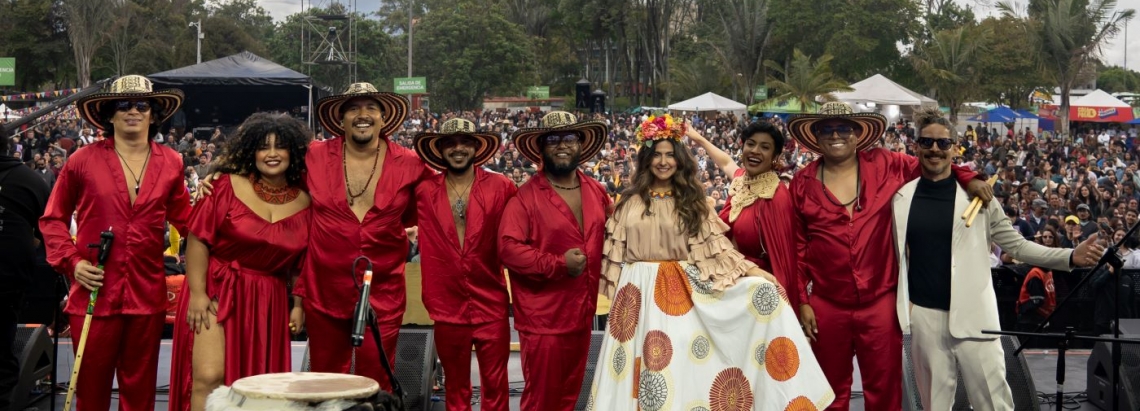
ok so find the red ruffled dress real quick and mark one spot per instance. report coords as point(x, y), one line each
point(764, 229)
point(250, 261)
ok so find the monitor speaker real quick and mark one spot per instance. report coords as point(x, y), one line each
point(591, 366)
point(1099, 386)
point(1016, 374)
point(34, 353)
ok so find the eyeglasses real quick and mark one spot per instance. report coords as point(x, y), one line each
point(556, 139)
point(125, 105)
point(928, 142)
point(842, 130)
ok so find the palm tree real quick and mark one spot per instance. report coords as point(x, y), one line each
point(804, 80)
point(1069, 35)
point(948, 64)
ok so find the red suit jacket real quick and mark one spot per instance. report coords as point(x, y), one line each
point(850, 260)
point(336, 237)
point(463, 285)
point(92, 186)
point(537, 230)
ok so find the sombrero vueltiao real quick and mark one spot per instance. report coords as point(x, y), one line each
point(131, 87)
point(394, 107)
point(593, 136)
point(427, 144)
point(871, 125)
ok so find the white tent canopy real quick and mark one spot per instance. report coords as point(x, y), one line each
point(5, 115)
point(708, 102)
point(881, 90)
point(1098, 98)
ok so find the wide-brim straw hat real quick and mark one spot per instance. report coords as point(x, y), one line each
point(594, 134)
point(130, 87)
point(394, 107)
point(427, 144)
point(871, 125)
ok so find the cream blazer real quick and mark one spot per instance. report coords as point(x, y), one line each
point(973, 303)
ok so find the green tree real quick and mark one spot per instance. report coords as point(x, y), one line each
point(32, 34)
point(85, 19)
point(1068, 35)
point(1010, 69)
point(1118, 80)
point(804, 80)
point(948, 64)
point(468, 53)
point(381, 57)
point(742, 31)
point(861, 35)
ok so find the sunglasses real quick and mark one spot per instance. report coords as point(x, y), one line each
point(125, 105)
point(843, 130)
point(929, 142)
point(556, 139)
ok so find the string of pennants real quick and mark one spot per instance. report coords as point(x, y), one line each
point(36, 96)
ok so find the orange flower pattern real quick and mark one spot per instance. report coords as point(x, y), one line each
point(624, 313)
point(658, 350)
point(731, 391)
point(672, 293)
point(782, 359)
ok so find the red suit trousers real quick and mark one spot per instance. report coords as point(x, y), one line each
point(118, 346)
point(492, 343)
point(553, 367)
point(869, 332)
point(331, 350)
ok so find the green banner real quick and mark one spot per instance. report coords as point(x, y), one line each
point(1136, 112)
point(410, 85)
point(7, 71)
point(538, 92)
point(760, 94)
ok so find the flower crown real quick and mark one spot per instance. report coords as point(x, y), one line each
point(659, 128)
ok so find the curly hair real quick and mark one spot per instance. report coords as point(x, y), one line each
point(932, 115)
point(240, 155)
point(688, 193)
point(107, 112)
point(765, 127)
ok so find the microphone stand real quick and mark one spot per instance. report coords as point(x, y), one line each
point(1111, 258)
point(363, 314)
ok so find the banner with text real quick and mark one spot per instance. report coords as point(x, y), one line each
point(7, 71)
point(538, 92)
point(760, 94)
point(410, 85)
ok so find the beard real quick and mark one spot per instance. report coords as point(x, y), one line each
point(461, 169)
point(559, 170)
point(361, 139)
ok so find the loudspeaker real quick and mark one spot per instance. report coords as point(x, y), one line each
point(415, 361)
point(582, 94)
point(591, 365)
point(33, 350)
point(1016, 374)
point(1099, 386)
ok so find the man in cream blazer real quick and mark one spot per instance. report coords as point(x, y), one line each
point(945, 296)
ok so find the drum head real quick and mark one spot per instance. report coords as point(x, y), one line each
point(306, 386)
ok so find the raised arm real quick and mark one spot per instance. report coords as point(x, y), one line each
point(718, 156)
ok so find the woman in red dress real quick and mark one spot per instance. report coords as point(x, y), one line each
point(759, 208)
point(245, 241)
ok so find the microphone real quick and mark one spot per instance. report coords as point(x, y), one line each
point(362, 305)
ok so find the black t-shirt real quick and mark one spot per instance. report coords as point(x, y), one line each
point(23, 198)
point(929, 234)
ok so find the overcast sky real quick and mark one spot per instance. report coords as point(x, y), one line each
point(1113, 52)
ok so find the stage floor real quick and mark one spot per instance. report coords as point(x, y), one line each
point(1042, 365)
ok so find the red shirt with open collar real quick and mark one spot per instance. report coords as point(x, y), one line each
point(336, 237)
point(463, 284)
point(92, 185)
point(850, 258)
point(537, 230)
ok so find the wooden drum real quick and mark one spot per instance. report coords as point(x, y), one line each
point(293, 391)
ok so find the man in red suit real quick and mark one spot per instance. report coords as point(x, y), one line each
point(362, 190)
point(551, 241)
point(132, 185)
point(464, 289)
point(844, 236)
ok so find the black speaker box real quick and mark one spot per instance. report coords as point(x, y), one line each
point(591, 366)
point(33, 350)
point(1099, 386)
point(415, 362)
point(1016, 374)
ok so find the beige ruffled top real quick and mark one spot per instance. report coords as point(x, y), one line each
point(632, 237)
